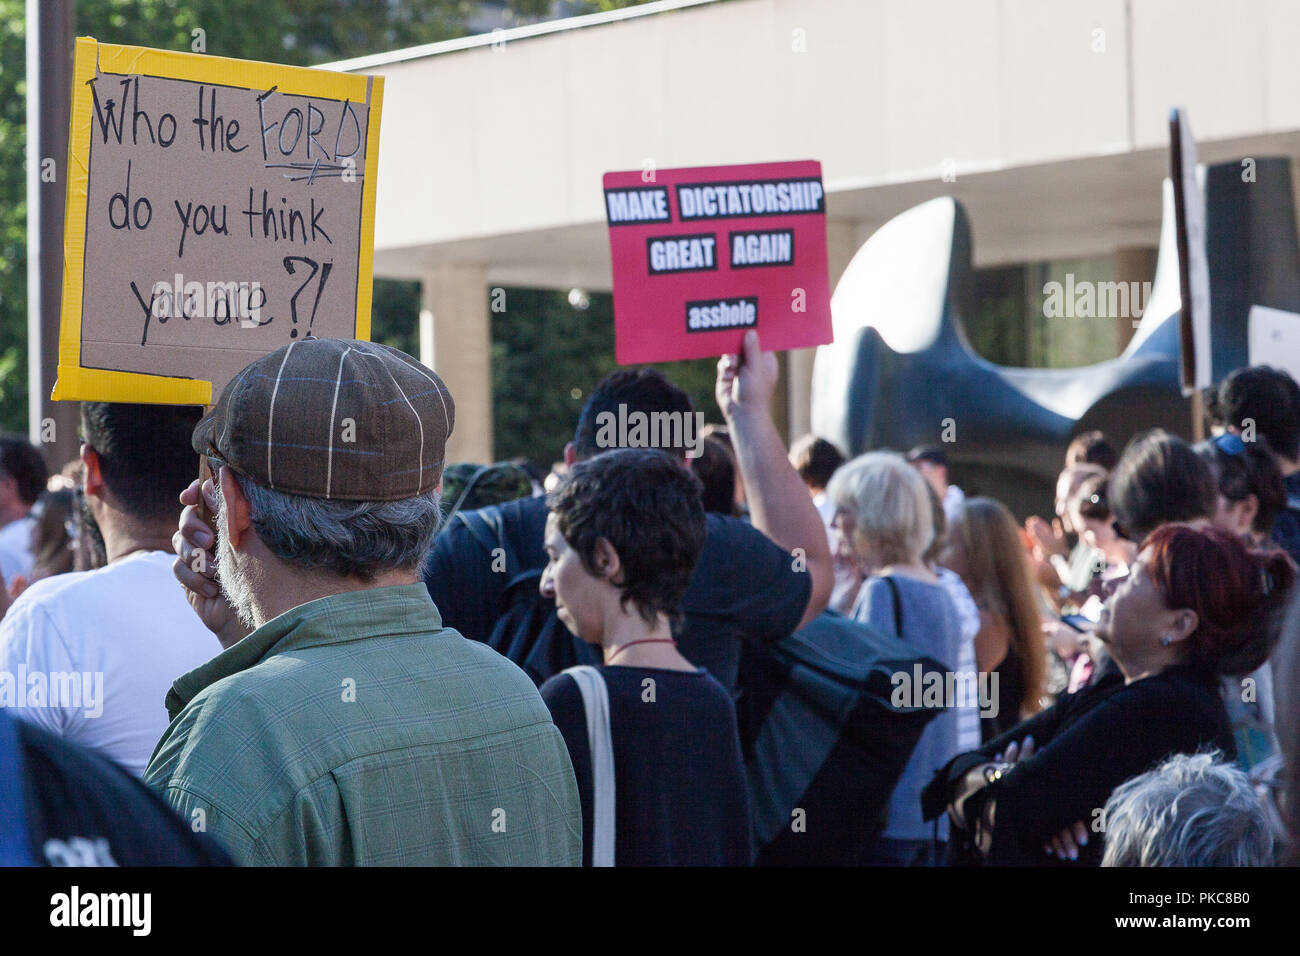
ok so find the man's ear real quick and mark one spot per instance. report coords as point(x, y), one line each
point(607, 562)
point(8, 488)
point(238, 513)
point(92, 478)
point(570, 455)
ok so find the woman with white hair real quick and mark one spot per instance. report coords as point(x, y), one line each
point(883, 516)
point(1192, 810)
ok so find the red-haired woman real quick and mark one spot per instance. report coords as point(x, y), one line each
point(1196, 605)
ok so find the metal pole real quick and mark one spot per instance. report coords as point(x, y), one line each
point(50, 34)
point(32, 26)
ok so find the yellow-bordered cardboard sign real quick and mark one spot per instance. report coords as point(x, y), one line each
point(217, 209)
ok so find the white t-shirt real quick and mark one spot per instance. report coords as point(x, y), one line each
point(954, 502)
point(16, 549)
point(102, 648)
point(968, 716)
point(825, 509)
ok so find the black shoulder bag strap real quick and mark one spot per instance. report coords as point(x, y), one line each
point(479, 523)
point(469, 486)
point(898, 625)
point(898, 604)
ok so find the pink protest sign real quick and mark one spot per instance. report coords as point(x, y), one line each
point(703, 254)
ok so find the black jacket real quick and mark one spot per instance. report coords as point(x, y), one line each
point(65, 805)
point(1086, 745)
point(744, 588)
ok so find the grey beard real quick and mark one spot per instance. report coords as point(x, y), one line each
point(232, 580)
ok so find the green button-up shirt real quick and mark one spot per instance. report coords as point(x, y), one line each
point(356, 729)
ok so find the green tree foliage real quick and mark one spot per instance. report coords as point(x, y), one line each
point(304, 32)
point(395, 315)
point(547, 356)
point(13, 220)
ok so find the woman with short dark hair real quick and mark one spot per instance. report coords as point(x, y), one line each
point(1251, 493)
point(652, 737)
point(1196, 605)
point(1160, 480)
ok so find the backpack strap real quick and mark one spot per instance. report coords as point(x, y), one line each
point(898, 604)
point(595, 701)
point(488, 529)
point(479, 472)
point(476, 526)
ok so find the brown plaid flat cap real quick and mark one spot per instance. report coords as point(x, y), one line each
point(333, 418)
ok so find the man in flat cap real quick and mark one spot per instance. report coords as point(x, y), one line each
point(343, 724)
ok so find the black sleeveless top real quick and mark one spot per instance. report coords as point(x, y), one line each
point(1010, 697)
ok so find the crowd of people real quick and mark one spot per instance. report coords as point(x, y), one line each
point(375, 659)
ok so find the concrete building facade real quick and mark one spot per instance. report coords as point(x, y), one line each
point(1048, 120)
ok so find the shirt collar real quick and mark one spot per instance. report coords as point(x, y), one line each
point(337, 619)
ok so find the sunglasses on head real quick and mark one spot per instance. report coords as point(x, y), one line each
point(1231, 444)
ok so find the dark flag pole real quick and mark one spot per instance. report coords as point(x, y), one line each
point(51, 27)
point(1193, 272)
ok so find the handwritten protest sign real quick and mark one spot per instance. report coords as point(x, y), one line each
point(217, 210)
point(700, 255)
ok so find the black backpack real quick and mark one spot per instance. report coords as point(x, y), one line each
point(823, 742)
point(527, 632)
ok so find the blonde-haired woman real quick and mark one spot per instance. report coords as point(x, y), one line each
point(985, 549)
point(883, 516)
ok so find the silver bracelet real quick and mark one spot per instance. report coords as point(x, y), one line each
point(996, 772)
